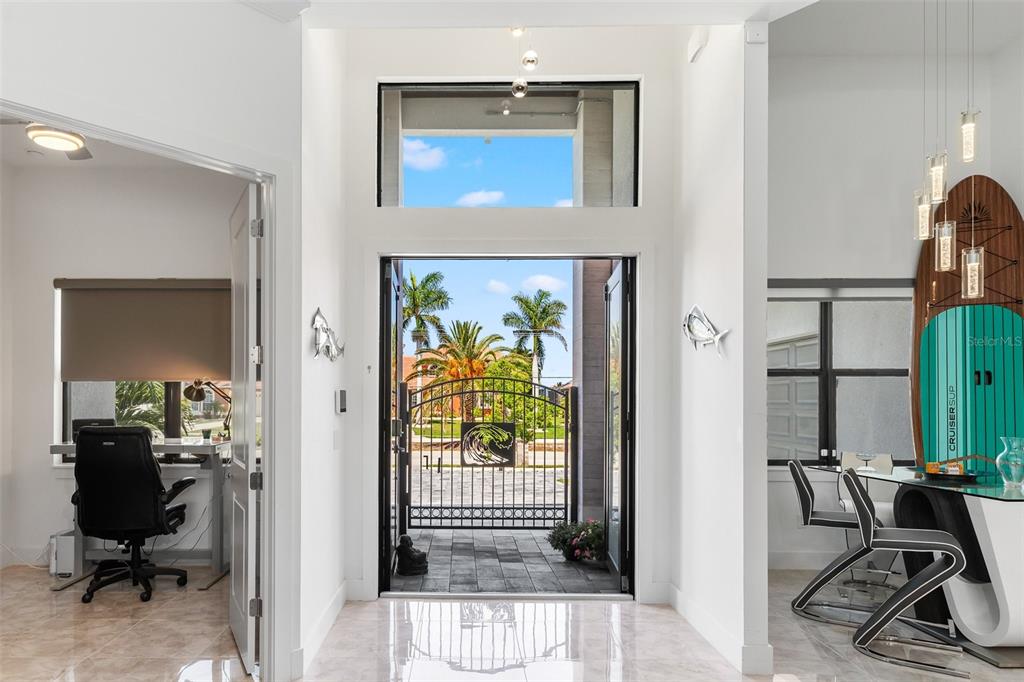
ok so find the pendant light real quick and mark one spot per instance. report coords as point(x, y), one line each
point(969, 117)
point(945, 243)
point(923, 215)
point(923, 197)
point(519, 84)
point(972, 262)
point(938, 163)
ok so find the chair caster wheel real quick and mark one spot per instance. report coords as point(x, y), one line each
point(87, 597)
point(182, 581)
point(145, 596)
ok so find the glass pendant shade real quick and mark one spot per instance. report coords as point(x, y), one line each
point(937, 177)
point(519, 87)
point(922, 215)
point(972, 272)
point(968, 135)
point(945, 241)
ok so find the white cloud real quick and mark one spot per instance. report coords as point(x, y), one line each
point(496, 286)
point(563, 203)
point(419, 155)
point(482, 197)
point(534, 282)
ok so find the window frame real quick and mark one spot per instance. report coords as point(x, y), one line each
point(503, 86)
point(828, 376)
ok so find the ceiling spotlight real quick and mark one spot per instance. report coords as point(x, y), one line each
point(530, 60)
point(52, 138)
point(519, 87)
point(518, 31)
point(506, 107)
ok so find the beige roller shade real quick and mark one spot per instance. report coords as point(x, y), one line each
point(145, 330)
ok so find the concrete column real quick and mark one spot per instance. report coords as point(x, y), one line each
point(588, 364)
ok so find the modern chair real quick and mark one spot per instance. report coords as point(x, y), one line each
point(949, 562)
point(884, 513)
point(120, 497)
point(845, 520)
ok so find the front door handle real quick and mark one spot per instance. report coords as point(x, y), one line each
point(988, 378)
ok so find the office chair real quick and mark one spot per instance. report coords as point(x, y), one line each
point(948, 563)
point(120, 497)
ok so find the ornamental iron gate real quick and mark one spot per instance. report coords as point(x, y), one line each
point(487, 452)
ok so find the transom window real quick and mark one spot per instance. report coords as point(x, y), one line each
point(474, 145)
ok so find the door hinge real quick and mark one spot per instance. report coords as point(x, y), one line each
point(255, 607)
point(256, 355)
point(256, 228)
point(256, 480)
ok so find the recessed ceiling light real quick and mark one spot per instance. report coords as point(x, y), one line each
point(506, 107)
point(518, 31)
point(530, 60)
point(53, 138)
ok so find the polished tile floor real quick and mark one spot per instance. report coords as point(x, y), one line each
point(499, 561)
point(567, 641)
point(181, 634)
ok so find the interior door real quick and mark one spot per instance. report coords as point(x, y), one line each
point(393, 521)
point(243, 479)
point(618, 417)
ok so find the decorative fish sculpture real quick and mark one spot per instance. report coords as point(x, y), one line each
point(700, 331)
point(324, 339)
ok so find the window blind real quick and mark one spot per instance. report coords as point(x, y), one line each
point(144, 329)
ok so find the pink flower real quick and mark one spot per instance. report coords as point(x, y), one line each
point(577, 553)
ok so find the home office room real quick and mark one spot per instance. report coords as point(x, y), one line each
point(117, 302)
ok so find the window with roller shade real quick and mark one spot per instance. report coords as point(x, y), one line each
point(128, 347)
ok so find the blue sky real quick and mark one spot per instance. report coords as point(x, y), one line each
point(482, 290)
point(479, 172)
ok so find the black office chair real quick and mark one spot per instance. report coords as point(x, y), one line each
point(949, 562)
point(120, 497)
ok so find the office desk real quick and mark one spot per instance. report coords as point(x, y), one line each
point(987, 600)
point(209, 456)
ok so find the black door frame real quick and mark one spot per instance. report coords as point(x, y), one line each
point(384, 407)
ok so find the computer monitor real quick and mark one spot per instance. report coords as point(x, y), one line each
point(76, 424)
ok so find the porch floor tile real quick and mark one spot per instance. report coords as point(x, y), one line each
point(499, 561)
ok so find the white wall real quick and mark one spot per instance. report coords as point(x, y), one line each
point(719, 568)
point(323, 252)
point(1003, 122)
point(87, 223)
point(484, 55)
point(216, 79)
point(845, 156)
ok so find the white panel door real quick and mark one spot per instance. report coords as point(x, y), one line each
point(244, 411)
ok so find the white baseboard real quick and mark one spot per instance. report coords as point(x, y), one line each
point(23, 556)
point(361, 590)
point(802, 561)
point(748, 659)
point(323, 625)
point(296, 664)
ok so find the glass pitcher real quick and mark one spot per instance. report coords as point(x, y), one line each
point(1010, 461)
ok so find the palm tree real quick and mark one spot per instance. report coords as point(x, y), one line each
point(463, 353)
point(423, 300)
point(141, 403)
point(537, 317)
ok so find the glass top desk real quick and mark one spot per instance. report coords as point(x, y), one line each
point(987, 612)
point(989, 486)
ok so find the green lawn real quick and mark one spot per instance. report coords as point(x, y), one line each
point(451, 429)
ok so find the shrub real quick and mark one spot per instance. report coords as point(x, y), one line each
point(578, 541)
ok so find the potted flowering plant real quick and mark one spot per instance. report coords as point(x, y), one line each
point(579, 541)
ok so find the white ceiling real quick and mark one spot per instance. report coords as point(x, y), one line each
point(892, 27)
point(502, 13)
point(17, 150)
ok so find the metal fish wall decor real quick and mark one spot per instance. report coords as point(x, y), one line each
point(700, 331)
